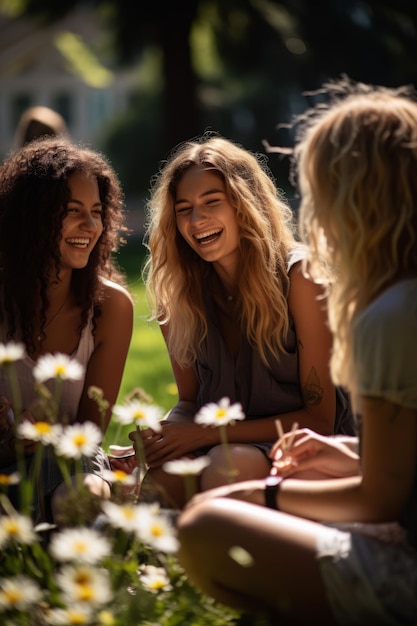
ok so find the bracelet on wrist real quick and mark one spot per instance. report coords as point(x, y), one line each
point(272, 486)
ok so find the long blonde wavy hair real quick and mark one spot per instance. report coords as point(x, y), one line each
point(357, 168)
point(175, 276)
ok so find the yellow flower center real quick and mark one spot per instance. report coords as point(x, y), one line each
point(60, 370)
point(80, 547)
point(128, 512)
point(157, 584)
point(13, 596)
point(11, 527)
point(120, 475)
point(220, 413)
point(75, 617)
point(4, 479)
point(139, 415)
point(157, 530)
point(86, 592)
point(43, 428)
point(79, 440)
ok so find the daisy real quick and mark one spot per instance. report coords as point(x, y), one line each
point(219, 414)
point(106, 618)
point(79, 440)
point(155, 579)
point(187, 467)
point(74, 616)
point(17, 528)
point(85, 585)
point(140, 414)
point(44, 432)
point(59, 366)
point(10, 352)
point(9, 479)
point(119, 476)
point(19, 593)
point(124, 516)
point(84, 545)
point(154, 529)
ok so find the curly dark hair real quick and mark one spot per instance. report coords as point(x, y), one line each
point(34, 194)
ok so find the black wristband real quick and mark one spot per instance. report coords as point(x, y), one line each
point(272, 485)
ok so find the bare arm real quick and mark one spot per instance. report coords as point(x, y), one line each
point(379, 494)
point(318, 412)
point(106, 365)
point(308, 310)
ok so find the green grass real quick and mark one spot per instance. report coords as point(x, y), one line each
point(148, 366)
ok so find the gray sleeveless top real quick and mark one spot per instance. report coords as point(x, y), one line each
point(262, 391)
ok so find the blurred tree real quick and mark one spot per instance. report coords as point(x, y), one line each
point(240, 66)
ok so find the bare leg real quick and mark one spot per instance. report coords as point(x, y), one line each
point(248, 462)
point(167, 489)
point(283, 576)
point(97, 488)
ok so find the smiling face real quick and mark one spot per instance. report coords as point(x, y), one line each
point(82, 224)
point(206, 219)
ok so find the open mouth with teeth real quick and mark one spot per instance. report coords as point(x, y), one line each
point(205, 238)
point(78, 242)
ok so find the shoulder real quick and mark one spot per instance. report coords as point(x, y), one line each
point(302, 288)
point(296, 255)
point(116, 295)
point(392, 311)
point(385, 345)
point(117, 302)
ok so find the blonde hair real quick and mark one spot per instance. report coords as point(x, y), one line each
point(357, 169)
point(175, 276)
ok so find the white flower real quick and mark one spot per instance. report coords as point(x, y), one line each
point(19, 593)
point(44, 432)
point(119, 476)
point(155, 579)
point(124, 516)
point(9, 479)
point(155, 530)
point(84, 585)
point(10, 352)
point(187, 467)
point(79, 439)
point(84, 545)
point(139, 413)
point(219, 414)
point(18, 528)
point(57, 366)
point(74, 616)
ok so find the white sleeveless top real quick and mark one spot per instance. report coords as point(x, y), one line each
point(71, 390)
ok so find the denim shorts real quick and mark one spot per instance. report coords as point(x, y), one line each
point(370, 577)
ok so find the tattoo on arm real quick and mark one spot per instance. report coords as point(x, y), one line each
point(312, 390)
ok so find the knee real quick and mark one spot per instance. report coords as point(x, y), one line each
point(97, 486)
point(244, 462)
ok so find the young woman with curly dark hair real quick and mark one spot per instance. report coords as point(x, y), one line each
point(61, 215)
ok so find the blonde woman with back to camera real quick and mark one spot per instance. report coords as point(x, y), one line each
point(340, 550)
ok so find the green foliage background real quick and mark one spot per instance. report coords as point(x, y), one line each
point(148, 366)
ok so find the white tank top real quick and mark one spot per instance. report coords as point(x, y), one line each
point(71, 390)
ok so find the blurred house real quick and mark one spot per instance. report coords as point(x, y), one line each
point(64, 66)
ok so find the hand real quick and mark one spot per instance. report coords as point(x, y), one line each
point(328, 456)
point(122, 458)
point(174, 441)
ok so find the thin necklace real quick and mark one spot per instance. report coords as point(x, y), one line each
point(39, 337)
